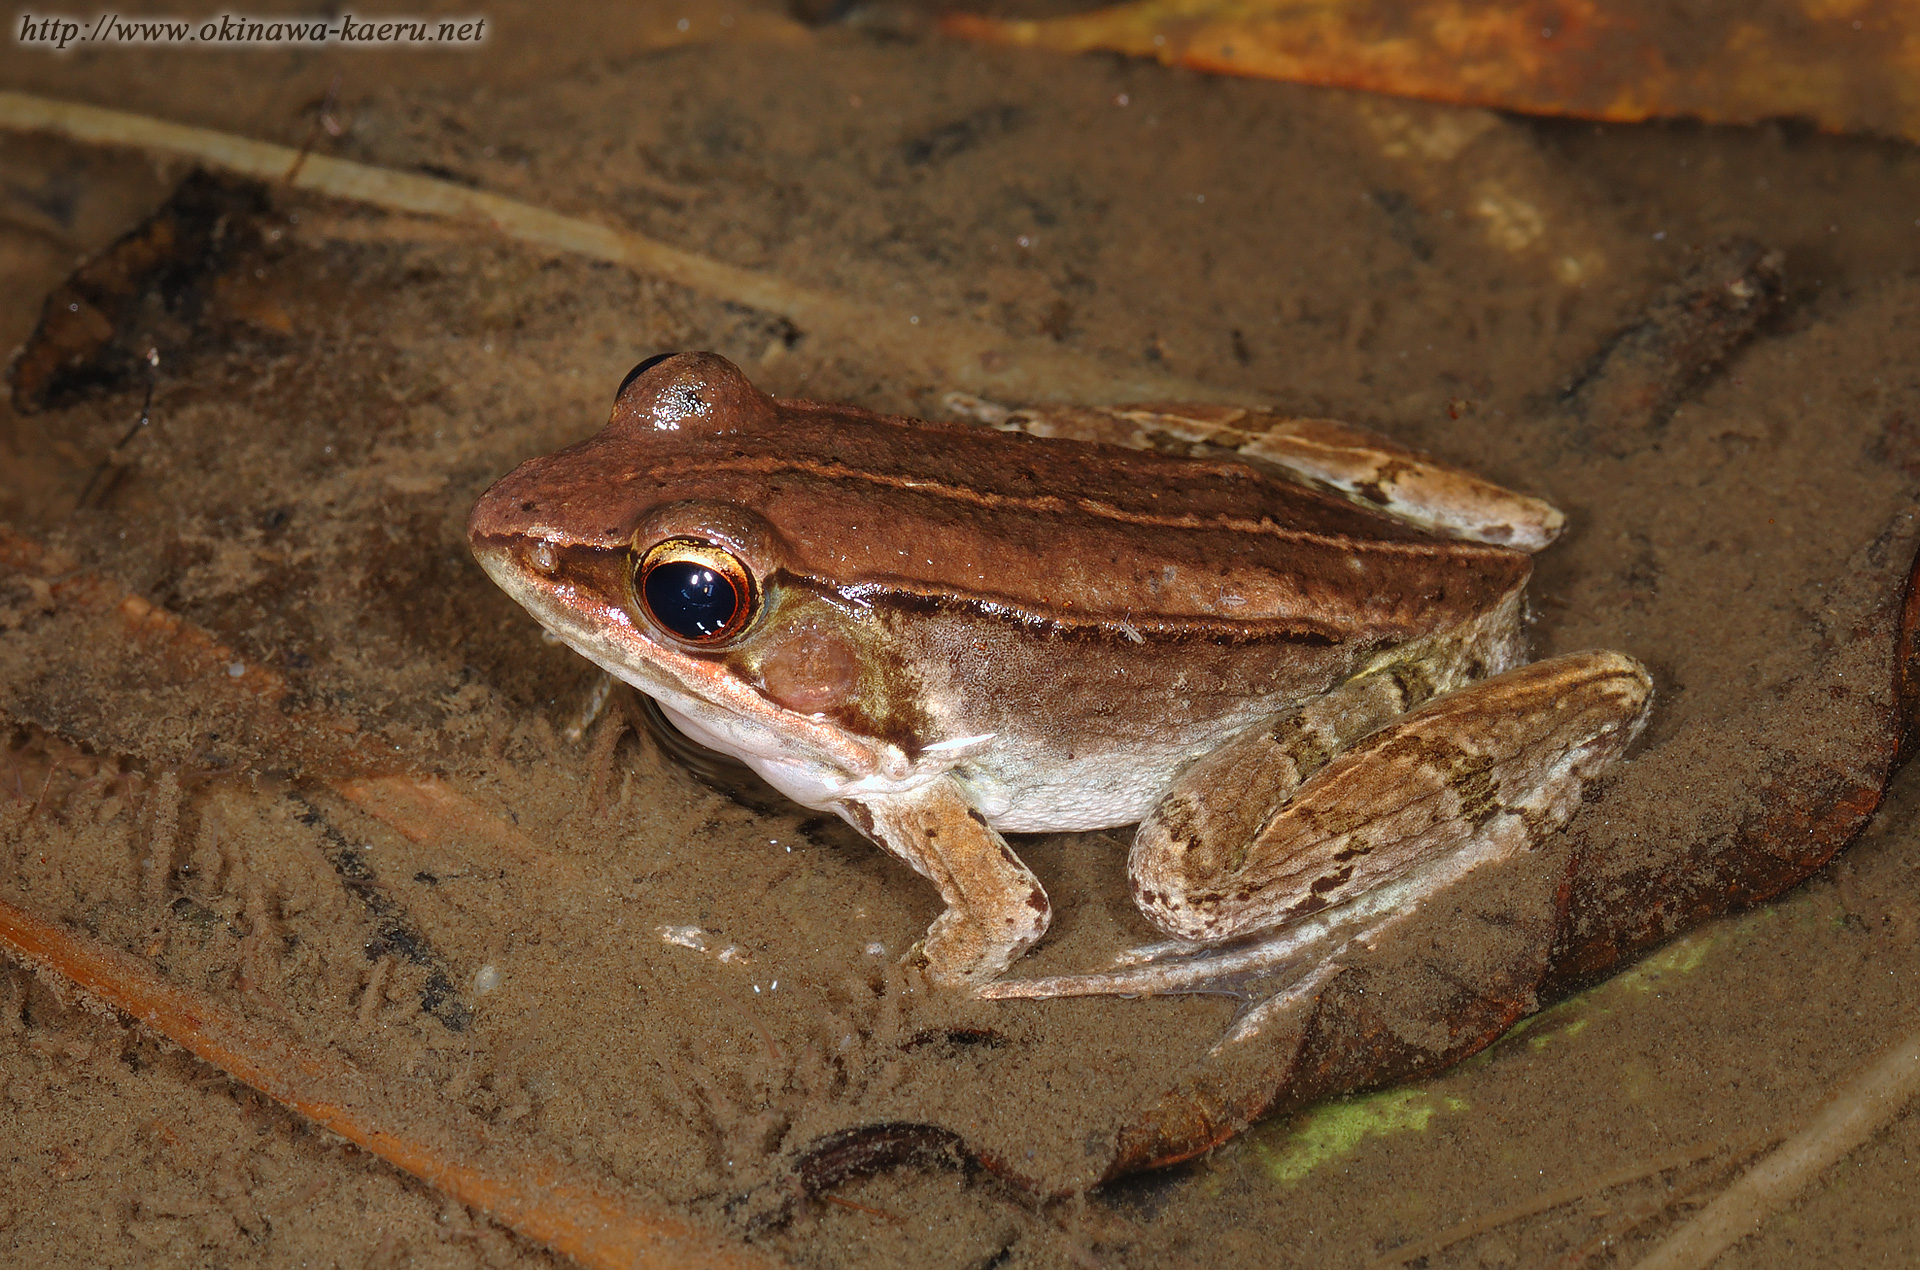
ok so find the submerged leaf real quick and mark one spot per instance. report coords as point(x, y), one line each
point(1846, 65)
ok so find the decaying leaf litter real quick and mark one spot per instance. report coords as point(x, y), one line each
point(1073, 862)
point(1844, 67)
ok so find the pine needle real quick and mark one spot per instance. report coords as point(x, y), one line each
point(948, 352)
point(1861, 1108)
point(580, 1216)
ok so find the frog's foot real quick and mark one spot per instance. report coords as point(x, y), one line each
point(1271, 964)
point(1271, 976)
point(1159, 969)
point(1475, 777)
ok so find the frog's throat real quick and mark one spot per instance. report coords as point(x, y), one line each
point(813, 784)
point(808, 759)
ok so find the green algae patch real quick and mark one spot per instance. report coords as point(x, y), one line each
point(1574, 1015)
point(1328, 1132)
point(1290, 1152)
point(1682, 957)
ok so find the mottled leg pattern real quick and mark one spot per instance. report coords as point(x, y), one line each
point(996, 909)
point(1471, 777)
point(1356, 463)
point(1224, 801)
point(1514, 747)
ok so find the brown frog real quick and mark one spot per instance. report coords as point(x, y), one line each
point(1295, 660)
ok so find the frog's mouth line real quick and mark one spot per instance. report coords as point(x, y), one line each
point(687, 685)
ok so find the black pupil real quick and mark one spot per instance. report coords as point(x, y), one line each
point(690, 599)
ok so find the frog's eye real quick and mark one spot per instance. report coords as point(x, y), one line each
point(694, 591)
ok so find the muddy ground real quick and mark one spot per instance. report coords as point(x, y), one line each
point(681, 991)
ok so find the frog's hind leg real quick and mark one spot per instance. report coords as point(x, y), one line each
point(1479, 775)
point(1356, 463)
point(1376, 471)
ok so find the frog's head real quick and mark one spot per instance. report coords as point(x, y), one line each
point(641, 547)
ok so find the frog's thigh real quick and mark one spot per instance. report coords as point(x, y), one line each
point(1224, 799)
point(996, 908)
point(1509, 753)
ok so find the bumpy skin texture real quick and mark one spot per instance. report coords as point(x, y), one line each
point(959, 631)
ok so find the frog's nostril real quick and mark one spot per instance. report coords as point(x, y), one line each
point(529, 506)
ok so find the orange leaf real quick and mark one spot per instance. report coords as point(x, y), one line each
point(1847, 65)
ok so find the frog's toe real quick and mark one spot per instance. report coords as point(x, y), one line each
point(1252, 968)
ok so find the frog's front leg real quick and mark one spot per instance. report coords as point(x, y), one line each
point(1478, 775)
point(996, 908)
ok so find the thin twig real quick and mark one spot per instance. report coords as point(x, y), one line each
point(952, 352)
point(105, 473)
point(575, 1214)
point(869, 1210)
point(431, 812)
point(19, 785)
point(46, 785)
point(323, 118)
point(1860, 1109)
point(1640, 1214)
point(1548, 1200)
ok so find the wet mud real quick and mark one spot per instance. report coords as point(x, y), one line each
point(268, 726)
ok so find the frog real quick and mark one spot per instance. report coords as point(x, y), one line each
point(1291, 651)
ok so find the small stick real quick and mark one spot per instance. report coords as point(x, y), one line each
point(323, 118)
point(1640, 1214)
point(955, 351)
point(374, 994)
point(44, 787)
point(1860, 1109)
point(156, 866)
point(1692, 327)
point(1553, 1199)
point(109, 469)
point(881, 1213)
point(555, 1204)
point(428, 810)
